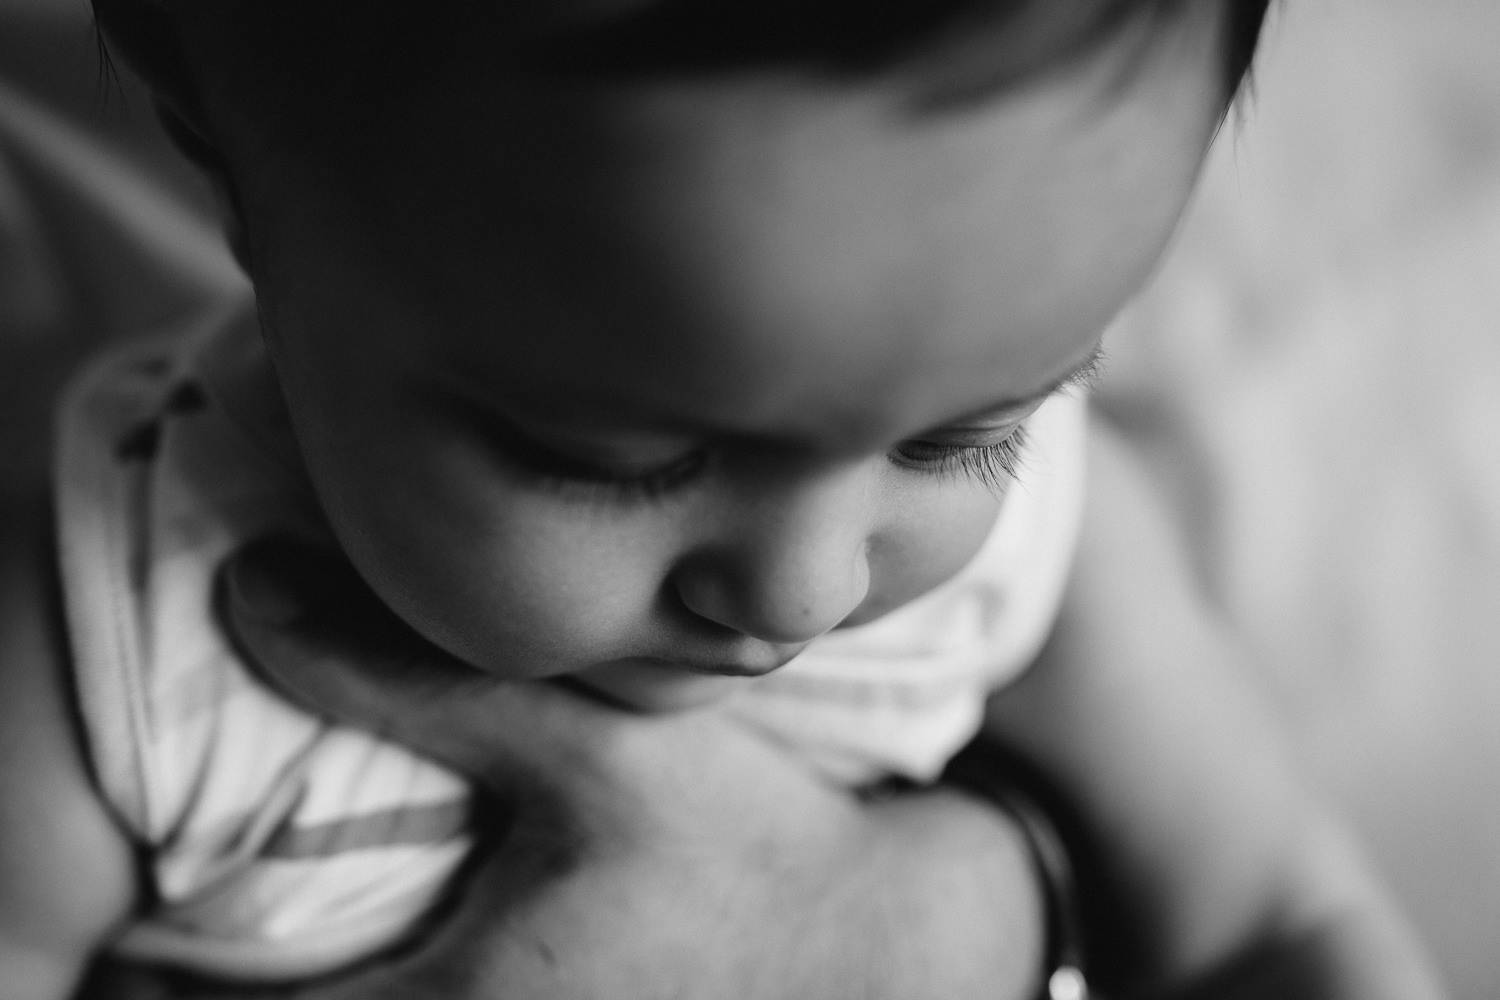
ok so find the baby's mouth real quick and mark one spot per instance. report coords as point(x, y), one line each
point(676, 683)
point(758, 665)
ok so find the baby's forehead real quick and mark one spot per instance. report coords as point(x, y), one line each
point(615, 183)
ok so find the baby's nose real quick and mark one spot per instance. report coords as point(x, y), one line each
point(774, 600)
point(790, 574)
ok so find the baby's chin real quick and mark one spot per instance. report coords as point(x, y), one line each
point(644, 686)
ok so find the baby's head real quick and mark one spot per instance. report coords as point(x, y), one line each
point(646, 340)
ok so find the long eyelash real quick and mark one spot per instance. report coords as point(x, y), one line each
point(999, 464)
point(600, 485)
point(996, 466)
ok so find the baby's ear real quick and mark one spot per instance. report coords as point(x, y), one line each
point(145, 36)
point(141, 34)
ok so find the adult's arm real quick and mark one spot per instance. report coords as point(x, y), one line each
point(648, 856)
point(1147, 715)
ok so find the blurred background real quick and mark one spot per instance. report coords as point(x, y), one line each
point(1315, 376)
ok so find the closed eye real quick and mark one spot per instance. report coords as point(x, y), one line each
point(995, 465)
point(582, 478)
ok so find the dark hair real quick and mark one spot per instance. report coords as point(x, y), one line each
point(1002, 42)
point(1009, 41)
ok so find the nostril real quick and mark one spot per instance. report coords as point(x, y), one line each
point(698, 616)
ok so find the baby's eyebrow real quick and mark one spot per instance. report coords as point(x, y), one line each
point(1082, 375)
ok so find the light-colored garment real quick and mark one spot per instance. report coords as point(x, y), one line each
point(279, 845)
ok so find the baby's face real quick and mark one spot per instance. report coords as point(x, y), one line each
point(653, 385)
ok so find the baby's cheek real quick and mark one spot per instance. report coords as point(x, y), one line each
point(535, 598)
point(926, 548)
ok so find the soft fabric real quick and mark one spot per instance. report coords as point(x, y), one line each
point(279, 845)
